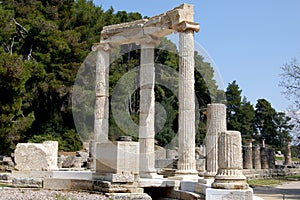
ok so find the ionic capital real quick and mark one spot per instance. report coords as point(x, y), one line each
point(186, 25)
point(101, 47)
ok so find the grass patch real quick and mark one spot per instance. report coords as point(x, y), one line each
point(5, 185)
point(295, 159)
point(296, 177)
point(264, 182)
point(279, 158)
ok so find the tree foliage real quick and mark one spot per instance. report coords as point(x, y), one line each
point(43, 44)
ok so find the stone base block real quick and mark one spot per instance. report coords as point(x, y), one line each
point(185, 177)
point(27, 182)
point(67, 184)
point(109, 187)
point(129, 196)
point(188, 186)
point(117, 178)
point(202, 185)
point(144, 182)
point(219, 194)
point(117, 158)
point(150, 175)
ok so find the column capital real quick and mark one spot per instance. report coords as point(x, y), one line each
point(186, 25)
point(101, 47)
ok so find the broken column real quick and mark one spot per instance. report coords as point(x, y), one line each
point(256, 157)
point(216, 123)
point(186, 132)
point(230, 160)
point(147, 111)
point(247, 154)
point(288, 155)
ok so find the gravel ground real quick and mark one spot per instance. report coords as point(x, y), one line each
point(30, 194)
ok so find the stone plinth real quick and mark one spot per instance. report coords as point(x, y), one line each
point(256, 157)
point(230, 173)
point(118, 161)
point(36, 156)
point(216, 123)
point(219, 194)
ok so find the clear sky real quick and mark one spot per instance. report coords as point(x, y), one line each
point(248, 40)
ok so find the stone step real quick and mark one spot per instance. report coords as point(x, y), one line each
point(67, 184)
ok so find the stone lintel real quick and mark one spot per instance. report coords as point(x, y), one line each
point(178, 19)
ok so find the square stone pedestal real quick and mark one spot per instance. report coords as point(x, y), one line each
point(202, 185)
point(117, 161)
point(220, 194)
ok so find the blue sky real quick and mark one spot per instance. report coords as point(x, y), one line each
point(248, 40)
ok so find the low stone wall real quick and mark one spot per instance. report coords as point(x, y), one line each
point(270, 173)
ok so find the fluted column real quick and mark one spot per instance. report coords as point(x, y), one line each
point(230, 172)
point(147, 112)
point(216, 123)
point(186, 132)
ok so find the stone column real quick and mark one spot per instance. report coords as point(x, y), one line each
point(230, 173)
point(247, 155)
point(216, 123)
point(288, 155)
point(271, 158)
point(102, 94)
point(186, 133)
point(264, 158)
point(101, 110)
point(147, 112)
point(256, 157)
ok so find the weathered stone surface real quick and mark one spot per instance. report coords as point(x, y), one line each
point(264, 158)
point(128, 196)
point(186, 132)
point(5, 176)
point(230, 173)
point(288, 155)
point(67, 184)
point(28, 182)
point(256, 157)
point(216, 123)
point(36, 156)
point(219, 194)
point(121, 157)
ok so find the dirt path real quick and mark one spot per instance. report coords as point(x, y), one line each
point(286, 191)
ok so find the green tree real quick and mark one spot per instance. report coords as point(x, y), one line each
point(240, 113)
point(272, 126)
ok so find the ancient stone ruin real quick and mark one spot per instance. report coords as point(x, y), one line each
point(128, 167)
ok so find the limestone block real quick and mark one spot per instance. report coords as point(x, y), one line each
point(219, 194)
point(36, 156)
point(121, 157)
point(28, 182)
